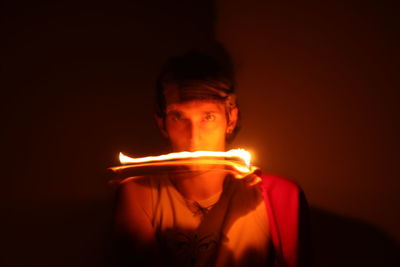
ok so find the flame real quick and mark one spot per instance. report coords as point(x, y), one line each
point(235, 161)
point(234, 153)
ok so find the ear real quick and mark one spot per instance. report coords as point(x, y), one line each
point(232, 120)
point(161, 125)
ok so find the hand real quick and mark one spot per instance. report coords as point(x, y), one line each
point(252, 179)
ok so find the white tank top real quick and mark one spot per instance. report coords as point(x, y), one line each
point(228, 229)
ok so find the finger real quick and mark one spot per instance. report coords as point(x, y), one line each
point(255, 180)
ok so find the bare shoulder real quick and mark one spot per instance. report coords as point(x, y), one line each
point(133, 216)
point(136, 187)
point(134, 200)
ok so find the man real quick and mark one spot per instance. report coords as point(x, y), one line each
point(201, 216)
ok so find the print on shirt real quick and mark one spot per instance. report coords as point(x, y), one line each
point(190, 249)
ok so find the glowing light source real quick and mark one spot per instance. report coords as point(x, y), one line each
point(234, 153)
point(235, 161)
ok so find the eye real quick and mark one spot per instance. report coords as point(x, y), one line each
point(209, 117)
point(176, 116)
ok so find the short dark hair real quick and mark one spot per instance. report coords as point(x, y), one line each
point(195, 75)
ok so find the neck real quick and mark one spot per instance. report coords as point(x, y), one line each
point(199, 185)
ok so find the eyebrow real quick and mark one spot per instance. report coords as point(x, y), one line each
point(213, 112)
point(205, 111)
point(175, 111)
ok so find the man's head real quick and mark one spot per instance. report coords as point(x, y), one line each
point(196, 105)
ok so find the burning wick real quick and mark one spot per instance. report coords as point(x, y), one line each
point(236, 161)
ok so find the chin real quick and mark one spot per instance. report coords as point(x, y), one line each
point(202, 168)
point(204, 148)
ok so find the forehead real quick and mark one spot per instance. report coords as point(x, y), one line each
point(197, 106)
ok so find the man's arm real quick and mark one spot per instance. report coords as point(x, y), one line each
point(135, 236)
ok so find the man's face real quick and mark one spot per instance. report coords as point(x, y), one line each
point(198, 125)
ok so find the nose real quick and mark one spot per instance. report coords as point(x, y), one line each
point(194, 136)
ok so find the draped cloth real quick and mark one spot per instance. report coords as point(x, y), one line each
point(287, 211)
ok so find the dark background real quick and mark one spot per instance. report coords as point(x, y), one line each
point(317, 84)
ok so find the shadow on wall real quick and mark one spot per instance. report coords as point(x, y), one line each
point(342, 241)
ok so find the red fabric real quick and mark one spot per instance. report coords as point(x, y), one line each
point(287, 213)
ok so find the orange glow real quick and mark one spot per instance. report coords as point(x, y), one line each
point(235, 161)
point(234, 153)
